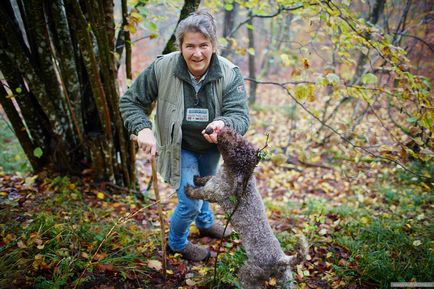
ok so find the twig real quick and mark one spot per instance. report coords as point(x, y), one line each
point(429, 45)
point(266, 144)
point(280, 10)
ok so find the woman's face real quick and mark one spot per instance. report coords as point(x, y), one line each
point(197, 51)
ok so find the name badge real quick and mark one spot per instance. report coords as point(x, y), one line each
point(197, 114)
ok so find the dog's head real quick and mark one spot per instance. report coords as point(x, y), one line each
point(238, 153)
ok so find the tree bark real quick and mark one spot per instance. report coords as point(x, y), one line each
point(373, 19)
point(61, 69)
point(189, 7)
point(252, 66)
point(229, 24)
point(19, 128)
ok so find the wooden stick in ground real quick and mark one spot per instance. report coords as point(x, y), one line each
point(160, 213)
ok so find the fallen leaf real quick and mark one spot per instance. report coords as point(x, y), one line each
point(154, 264)
point(417, 243)
point(105, 267)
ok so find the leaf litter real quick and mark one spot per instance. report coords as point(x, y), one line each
point(323, 191)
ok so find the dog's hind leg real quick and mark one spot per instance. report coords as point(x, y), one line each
point(283, 272)
point(252, 276)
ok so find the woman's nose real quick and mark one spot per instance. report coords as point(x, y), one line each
point(196, 51)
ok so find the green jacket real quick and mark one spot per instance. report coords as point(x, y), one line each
point(165, 82)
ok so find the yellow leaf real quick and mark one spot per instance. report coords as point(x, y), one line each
point(21, 245)
point(278, 159)
point(285, 59)
point(100, 195)
point(364, 220)
point(131, 28)
point(135, 17)
point(306, 63)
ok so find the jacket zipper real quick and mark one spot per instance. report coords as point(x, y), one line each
point(196, 102)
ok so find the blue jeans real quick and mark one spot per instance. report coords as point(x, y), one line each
point(189, 210)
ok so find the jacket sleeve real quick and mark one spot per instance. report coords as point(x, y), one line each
point(235, 113)
point(137, 103)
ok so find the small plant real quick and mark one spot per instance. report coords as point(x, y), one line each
point(12, 156)
point(228, 266)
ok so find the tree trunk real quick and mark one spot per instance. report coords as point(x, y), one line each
point(62, 73)
point(229, 24)
point(189, 7)
point(252, 66)
point(373, 19)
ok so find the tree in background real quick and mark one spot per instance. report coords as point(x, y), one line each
point(350, 58)
point(59, 89)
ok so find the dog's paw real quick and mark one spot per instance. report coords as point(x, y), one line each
point(201, 181)
point(197, 180)
point(188, 190)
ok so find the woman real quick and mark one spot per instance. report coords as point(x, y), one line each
point(194, 89)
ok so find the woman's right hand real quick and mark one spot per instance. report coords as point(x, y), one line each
point(146, 141)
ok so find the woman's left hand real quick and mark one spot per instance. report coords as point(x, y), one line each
point(216, 126)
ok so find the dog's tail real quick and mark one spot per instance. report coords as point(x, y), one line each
point(302, 251)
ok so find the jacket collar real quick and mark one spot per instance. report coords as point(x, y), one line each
point(214, 70)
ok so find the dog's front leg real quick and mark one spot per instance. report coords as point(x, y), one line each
point(207, 193)
point(201, 181)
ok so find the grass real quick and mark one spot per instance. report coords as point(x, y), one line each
point(227, 268)
point(12, 157)
point(52, 245)
point(391, 238)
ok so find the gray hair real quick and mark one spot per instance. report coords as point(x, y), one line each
point(200, 21)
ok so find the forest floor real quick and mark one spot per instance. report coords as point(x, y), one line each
point(368, 223)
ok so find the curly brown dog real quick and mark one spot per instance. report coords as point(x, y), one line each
point(234, 189)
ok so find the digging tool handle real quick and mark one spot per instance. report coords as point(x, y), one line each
point(160, 213)
point(159, 208)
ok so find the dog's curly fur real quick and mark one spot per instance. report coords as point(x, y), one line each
point(234, 189)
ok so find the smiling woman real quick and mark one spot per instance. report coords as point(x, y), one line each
point(194, 89)
point(196, 51)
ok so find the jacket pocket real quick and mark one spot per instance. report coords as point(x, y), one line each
point(168, 163)
point(165, 118)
